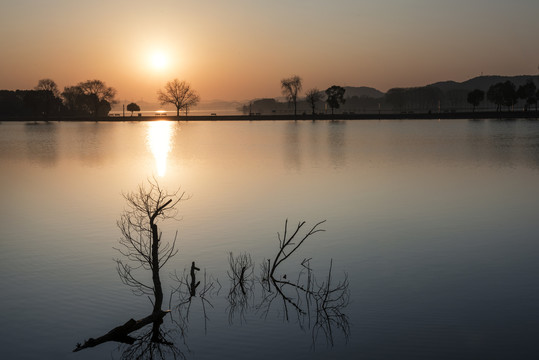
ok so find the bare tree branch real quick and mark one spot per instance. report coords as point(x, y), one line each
point(327, 299)
point(180, 94)
point(141, 240)
point(290, 88)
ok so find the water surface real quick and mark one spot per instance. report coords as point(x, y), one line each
point(434, 222)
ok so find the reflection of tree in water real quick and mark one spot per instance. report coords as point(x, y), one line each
point(337, 143)
point(41, 143)
point(240, 296)
point(502, 143)
point(155, 343)
point(90, 147)
point(316, 305)
point(292, 146)
point(315, 148)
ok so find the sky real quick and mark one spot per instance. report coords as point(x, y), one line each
point(241, 49)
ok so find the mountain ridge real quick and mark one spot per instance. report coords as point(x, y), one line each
point(482, 82)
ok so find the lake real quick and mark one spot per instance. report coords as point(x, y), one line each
point(431, 240)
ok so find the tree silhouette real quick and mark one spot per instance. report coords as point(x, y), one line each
point(335, 97)
point(321, 305)
point(48, 85)
point(397, 97)
point(313, 97)
point(532, 100)
point(141, 241)
point(509, 94)
point(295, 292)
point(502, 94)
point(132, 107)
point(76, 101)
point(142, 245)
point(99, 96)
point(527, 92)
point(291, 87)
point(49, 96)
point(180, 94)
point(475, 97)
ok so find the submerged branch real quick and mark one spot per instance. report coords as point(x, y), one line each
point(121, 333)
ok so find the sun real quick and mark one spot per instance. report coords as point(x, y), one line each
point(159, 60)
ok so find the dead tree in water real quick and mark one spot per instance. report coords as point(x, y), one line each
point(188, 289)
point(320, 304)
point(141, 241)
point(288, 244)
point(141, 244)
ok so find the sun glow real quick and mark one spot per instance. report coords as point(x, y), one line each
point(159, 139)
point(159, 60)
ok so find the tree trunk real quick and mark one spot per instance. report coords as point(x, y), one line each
point(194, 283)
point(157, 288)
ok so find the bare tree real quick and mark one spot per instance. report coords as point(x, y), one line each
point(180, 94)
point(313, 97)
point(141, 241)
point(142, 245)
point(291, 87)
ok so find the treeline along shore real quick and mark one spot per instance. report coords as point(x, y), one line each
point(483, 97)
point(478, 115)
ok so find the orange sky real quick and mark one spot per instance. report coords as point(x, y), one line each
point(240, 49)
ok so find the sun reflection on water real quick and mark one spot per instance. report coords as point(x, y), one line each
point(159, 139)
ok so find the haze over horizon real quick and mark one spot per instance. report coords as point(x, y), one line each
point(242, 49)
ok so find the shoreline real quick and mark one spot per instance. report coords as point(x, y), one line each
point(478, 115)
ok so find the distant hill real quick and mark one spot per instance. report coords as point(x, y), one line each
point(479, 82)
point(362, 91)
point(483, 82)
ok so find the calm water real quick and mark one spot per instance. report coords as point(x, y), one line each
point(434, 223)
